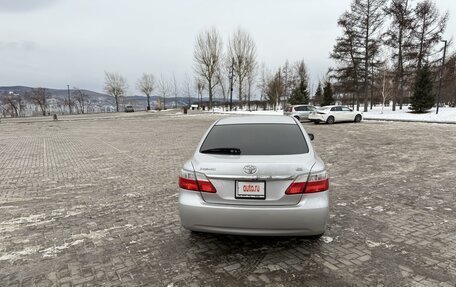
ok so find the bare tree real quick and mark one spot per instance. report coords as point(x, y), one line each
point(61, 104)
point(39, 97)
point(348, 54)
point(242, 51)
point(187, 89)
point(164, 89)
point(387, 85)
point(175, 90)
point(429, 27)
point(275, 89)
point(82, 99)
point(116, 86)
point(399, 37)
point(250, 84)
point(146, 85)
point(263, 82)
point(360, 45)
point(288, 81)
point(199, 85)
point(207, 57)
point(223, 78)
point(12, 103)
point(370, 20)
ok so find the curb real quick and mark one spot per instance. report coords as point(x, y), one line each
point(409, 121)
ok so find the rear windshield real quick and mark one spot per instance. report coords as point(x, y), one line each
point(257, 139)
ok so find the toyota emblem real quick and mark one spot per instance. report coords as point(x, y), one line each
point(250, 169)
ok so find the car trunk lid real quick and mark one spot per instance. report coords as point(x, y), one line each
point(237, 178)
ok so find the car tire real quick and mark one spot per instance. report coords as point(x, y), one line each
point(296, 117)
point(358, 118)
point(330, 120)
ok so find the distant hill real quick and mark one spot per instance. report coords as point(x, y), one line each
point(55, 93)
point(100, 99)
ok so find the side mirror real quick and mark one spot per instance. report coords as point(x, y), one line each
point(311, 136)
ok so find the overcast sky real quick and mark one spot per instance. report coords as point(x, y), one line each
point(53, 43)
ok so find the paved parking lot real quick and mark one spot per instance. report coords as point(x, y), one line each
point(89, 202)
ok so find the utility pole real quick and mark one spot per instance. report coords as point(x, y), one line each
point(231, 83)
point(441, 76)
point(69, 99)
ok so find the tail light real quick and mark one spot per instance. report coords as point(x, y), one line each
point(195, 181)
point(312, 183)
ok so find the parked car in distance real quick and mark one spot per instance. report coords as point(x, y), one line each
point(300, 112)
point(129, 109)
point(255, 175)
point(332, 114)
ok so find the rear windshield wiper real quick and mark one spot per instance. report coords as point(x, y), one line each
point(223, 150)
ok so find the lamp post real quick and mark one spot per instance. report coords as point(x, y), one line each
point(69, 100)
point(441, 76)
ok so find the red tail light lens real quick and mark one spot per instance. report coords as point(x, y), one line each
point(317, 186)
point(189, 181)
point(315, 182)
point(206, 186)
point(188, 184)
point(296, 188)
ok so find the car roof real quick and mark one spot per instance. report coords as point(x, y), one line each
point(256, 120)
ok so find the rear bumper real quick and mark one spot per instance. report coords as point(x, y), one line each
point(308, 217)
point(317, 118)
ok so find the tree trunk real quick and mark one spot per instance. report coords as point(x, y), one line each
point(401, 70)
point(210, 94)
point(240, 94)
point(148, 102)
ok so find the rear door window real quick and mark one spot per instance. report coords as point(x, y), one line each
point(257, 139)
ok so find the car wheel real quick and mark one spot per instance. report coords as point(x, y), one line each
point(296, 117)
point(358, 118)
point(330, 120)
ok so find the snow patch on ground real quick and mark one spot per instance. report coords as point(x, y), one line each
point(99, 235)
point(132, 194)
point(53, 251)
point(379, 208)
point(327, 239)
point(373, 244)
point(13, 256)
point(31, 220)
point(446, 114)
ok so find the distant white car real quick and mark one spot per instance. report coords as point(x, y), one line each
point(332, 114)
point(300, 112)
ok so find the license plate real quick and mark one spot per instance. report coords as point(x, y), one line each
point(250, 190)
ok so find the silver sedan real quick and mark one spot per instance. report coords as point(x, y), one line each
point(255, 176)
